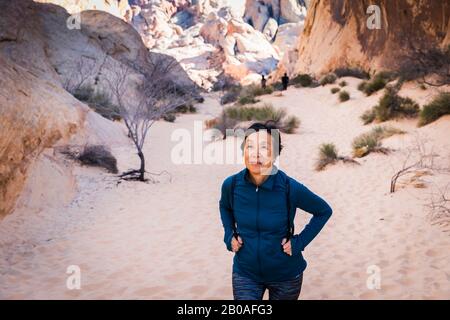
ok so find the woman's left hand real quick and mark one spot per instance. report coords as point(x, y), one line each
point(286, 246)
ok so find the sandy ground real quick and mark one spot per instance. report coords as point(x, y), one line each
point(164, 240)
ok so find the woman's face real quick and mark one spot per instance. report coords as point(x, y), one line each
point(258, 153)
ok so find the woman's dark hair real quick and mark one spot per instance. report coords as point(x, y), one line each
point(267, 126)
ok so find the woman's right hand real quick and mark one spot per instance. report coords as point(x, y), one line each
point(236, 244)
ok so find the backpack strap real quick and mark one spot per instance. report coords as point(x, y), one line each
point(290, 226)
point(231, 199)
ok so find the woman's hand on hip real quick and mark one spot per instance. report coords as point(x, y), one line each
point(287, 246)
point(236, 244)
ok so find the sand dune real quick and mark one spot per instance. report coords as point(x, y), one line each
point(164, 240)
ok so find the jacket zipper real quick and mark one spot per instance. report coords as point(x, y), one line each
point(257, 225)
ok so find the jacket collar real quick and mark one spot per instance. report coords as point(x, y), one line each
point(268, 183)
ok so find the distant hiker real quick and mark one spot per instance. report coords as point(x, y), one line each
point(257, 208)
point(263, 82)
point(285, 81)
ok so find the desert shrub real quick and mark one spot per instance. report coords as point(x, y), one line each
point(327, 155)
point(247, 100)
point(246, 95)
point(262, 112)
point(302, 80)
point(334, 90)
point(344, 96)
point(438, 107)
point(391, 106)
point(83, 93)
point(343, 83)
point(362, 85)
point(186, 108)
point(290, 124)
point(378, 82)
point(99, 101)
point(371, 141)
point(98, 156)
point(253, 90)
point(328, 79)
point(233, 115)
point(169, 117)
point(368, 116)
point(351, 72)
point(231, 95)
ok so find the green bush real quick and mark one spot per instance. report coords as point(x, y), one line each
point(368, 116)
point(334, 90)
point(391, 106)
point(343, 83)
point(438, 107)
point(186, 108)
point(362, 85)
point(378, 82)
point(256, 90)
point(169, 117)
point(99, 101)
point(235, 114)
point(327, 155)
point(290, 124)
point(302, 80)
point(328, 79)
point(262, 112)
point(371, 141)
point(231, 95)
point(344, 96)
point(248, 93)
point(247, 100)
point(83, 93)
point(98, 156)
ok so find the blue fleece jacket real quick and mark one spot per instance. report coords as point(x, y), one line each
point(261, 217)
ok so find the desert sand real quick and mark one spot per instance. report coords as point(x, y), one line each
point(164, 240)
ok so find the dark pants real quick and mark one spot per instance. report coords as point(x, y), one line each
point(245, 288)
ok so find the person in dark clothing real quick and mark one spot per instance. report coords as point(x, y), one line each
point(257, 208)
point(263, 82)
point(285, 81)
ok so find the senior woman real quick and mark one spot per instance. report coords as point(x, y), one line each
point(257, 209)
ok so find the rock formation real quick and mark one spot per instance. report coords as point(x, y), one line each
point(336, 34)
point(207, 36)
point(40, 57)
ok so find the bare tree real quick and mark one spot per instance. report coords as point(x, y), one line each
point(439, 205)
point(418, 161)
point(157, 95)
